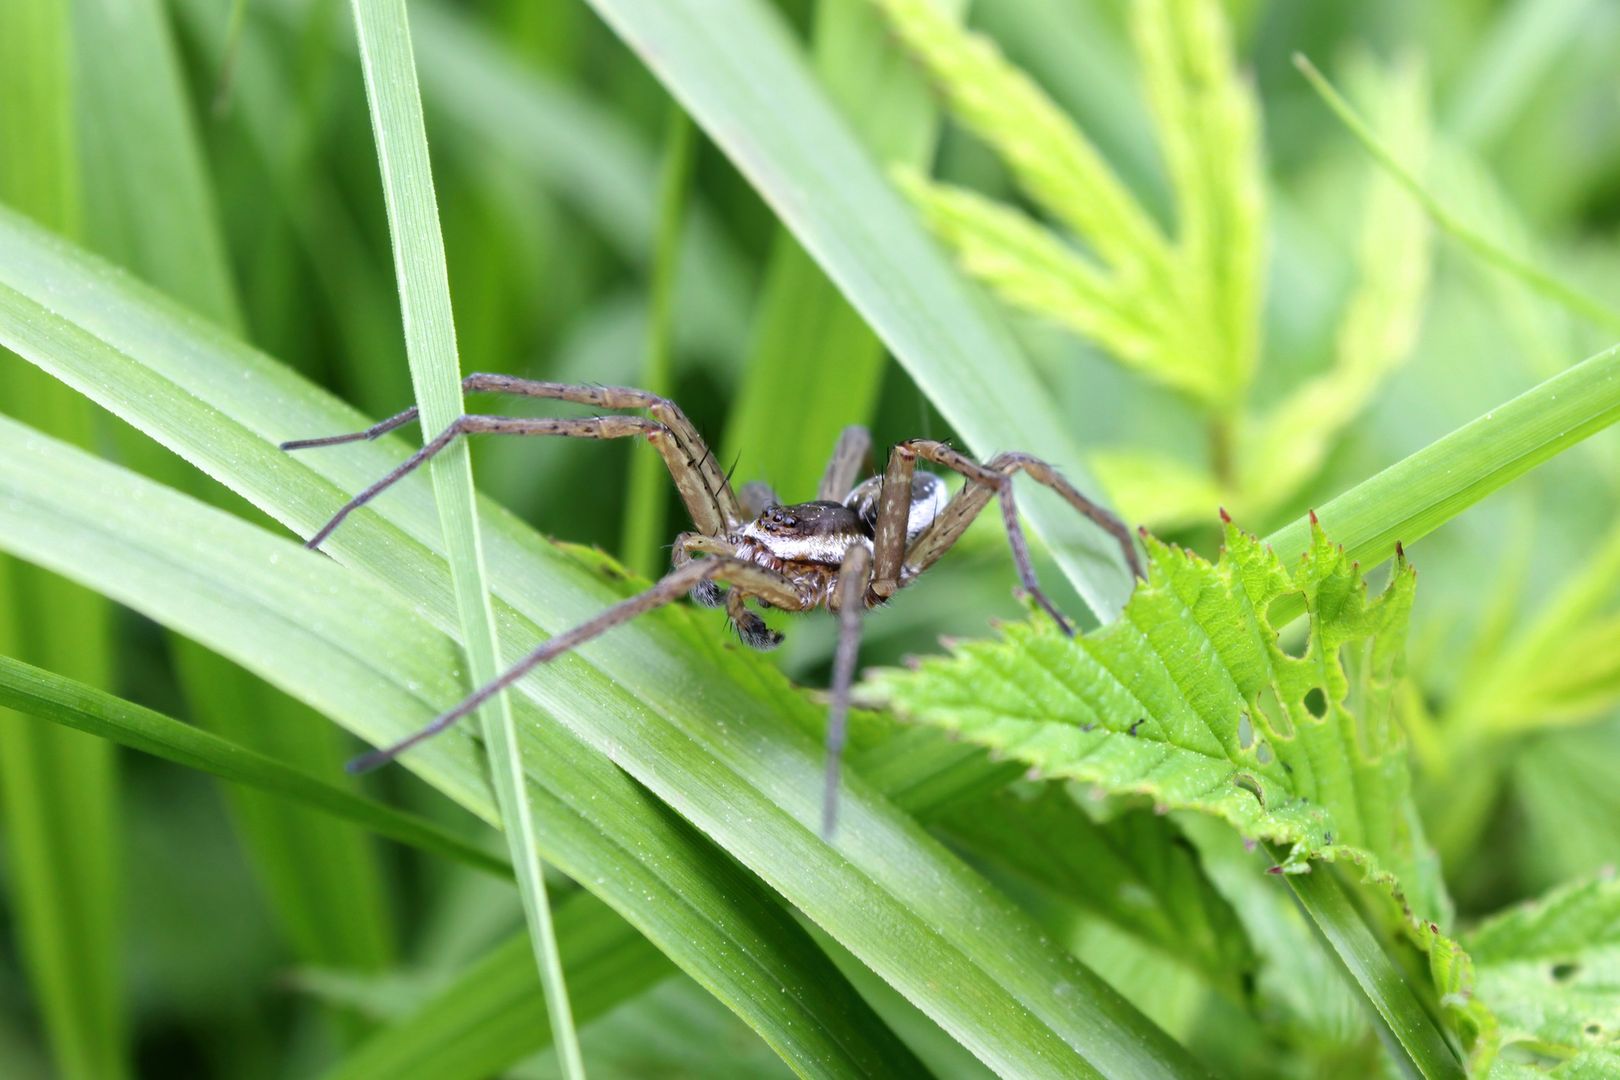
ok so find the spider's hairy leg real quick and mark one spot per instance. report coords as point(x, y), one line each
point(893, 513)
point(476, 383)
point(845, 465)
point(703, 487)
point(854, 576)
point(994, 480)
point(744, 576)
point(592, 427)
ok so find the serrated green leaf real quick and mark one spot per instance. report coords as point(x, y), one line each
point(1550, 969)
point(1191, 700)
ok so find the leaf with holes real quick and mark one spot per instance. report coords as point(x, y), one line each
point(1192, 700)
point(1550, 969)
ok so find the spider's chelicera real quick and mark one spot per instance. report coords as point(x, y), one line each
point(852, 548)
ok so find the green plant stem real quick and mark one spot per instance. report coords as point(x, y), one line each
point(648, 497)
point(1582, 304)
point(383, 32)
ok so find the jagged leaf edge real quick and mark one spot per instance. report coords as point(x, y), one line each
point(1451, 968)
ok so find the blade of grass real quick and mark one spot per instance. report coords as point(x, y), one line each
point(351, 648)
point(717, 735)
point(490, 1016)
point(1398, 1012)
point(1419, 493)
point(1548, 285)
point(58, 789)
point(810, 348)
point(383, 33)
point(70, 703)
point(647, 496)
point(150, 206)
point(736, 69)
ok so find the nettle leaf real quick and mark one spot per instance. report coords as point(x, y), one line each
point(1550, 970)
point(1192, 700)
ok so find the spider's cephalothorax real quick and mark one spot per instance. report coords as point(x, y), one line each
point(851, 548)
point(807, 542)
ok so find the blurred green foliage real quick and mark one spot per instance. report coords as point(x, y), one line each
point(1227, 301)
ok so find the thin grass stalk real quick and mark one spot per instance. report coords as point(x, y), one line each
point(395, 99)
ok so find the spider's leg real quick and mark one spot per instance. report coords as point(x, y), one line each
point(375, 431)
point(853, 578)
point(994, 480)
point(703, 484)
point(893, 514)
point(671, 587)
point(591, 427)
point(847, 461)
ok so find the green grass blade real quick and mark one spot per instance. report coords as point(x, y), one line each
point(738, 72)
point(670, 705)
point(70, 703)
point(1582, 304)
point(491, 1016)
point(424, 292)
point(648, 496)
point(1400, 1014)
point(58, 789)
point(810, 348)
point(1421, 492)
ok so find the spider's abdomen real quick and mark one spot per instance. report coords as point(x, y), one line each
point(928, 497)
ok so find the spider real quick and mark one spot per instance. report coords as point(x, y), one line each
point(851, 548)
